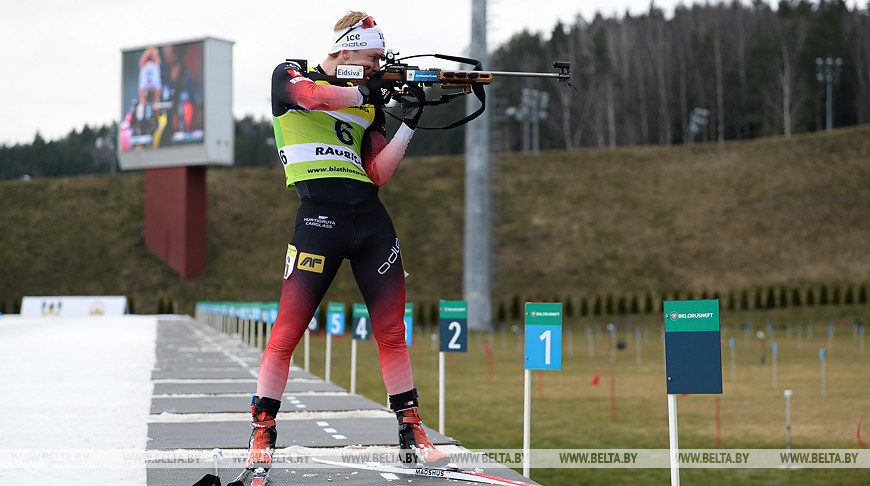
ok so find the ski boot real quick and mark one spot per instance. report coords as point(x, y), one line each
point(414, 446)
point(262, 443)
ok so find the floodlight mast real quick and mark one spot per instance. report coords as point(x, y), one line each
point(828, 72)
point(477, 275)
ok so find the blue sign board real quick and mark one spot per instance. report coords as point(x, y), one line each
point(335, 318)
point(362, 324)
point(409, 324)
point(693, 357)
point(453, 326)
point(543, 344)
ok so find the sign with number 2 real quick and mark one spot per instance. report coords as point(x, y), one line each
point(453, 326)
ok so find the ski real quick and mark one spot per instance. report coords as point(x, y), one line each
point(259, 477)
point(430, 472)
point(239, 481)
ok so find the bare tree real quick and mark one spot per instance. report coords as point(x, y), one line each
point(661, 70)
point(720, 89)
point(861, 55)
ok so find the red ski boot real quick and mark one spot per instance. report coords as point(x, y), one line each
point(263, 437)
point(414, 446)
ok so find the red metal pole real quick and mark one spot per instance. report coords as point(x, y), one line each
point(613, 399)
point(718, 425)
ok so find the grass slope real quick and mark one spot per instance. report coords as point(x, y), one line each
point(705, 217)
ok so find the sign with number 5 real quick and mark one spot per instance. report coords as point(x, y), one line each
point(543, 349)
point(335, 318)
point(453, 326)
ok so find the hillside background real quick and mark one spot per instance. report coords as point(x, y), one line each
point(734, 217)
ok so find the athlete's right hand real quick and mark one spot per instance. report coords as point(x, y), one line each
point(377, 91)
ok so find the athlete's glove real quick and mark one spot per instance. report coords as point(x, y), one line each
point(377, 91)
point(412, 110)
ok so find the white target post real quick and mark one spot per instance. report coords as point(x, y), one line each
point(773, 354)
point(590, 341)
point(861, 340)
point(257, 317)
point(822, 359)
point(453, 337)
point(313, 324)
point(733, 359)
point(800, 338)
point(638, 349)
point(334, 327)
point(543, 351)
point(788, 394)
point(362, 331)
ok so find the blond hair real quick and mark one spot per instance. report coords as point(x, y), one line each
point(345, 22)
point(349, 19)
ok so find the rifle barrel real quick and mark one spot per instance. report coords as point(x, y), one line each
point(526, 75)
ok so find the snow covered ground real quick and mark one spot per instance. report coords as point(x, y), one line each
point(75, 396)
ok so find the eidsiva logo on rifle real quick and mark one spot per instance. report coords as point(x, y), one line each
point(459, 82)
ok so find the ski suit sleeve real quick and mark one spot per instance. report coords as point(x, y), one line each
point(380, 159)
point(291, 88)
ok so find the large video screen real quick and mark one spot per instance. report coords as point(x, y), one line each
point(176, 105)
point(163, 87)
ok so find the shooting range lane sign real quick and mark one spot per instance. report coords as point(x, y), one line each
point(543, 343)
point(335, 318)
point(409, 324)
point(693, 357)
point(453, 326)
point(361, 324)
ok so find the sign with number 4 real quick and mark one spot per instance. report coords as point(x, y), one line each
point(453, 326)
point(543, 350)
point(362, 324)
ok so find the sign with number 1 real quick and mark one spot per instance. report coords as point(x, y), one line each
point(543, 350)
point(453, 326)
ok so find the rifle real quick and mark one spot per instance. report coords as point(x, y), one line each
point(462, 82)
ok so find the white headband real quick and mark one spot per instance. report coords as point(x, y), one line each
point(358, 39)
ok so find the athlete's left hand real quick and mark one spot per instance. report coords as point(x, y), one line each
point(411, 111)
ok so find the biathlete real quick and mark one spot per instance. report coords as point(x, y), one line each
point(331, 141)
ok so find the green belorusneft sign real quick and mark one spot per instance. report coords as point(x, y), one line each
point(693, 357)
point(691, 315)
point(543, 314)
point(543, 339)
point(453, 326)
point(453, 309)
